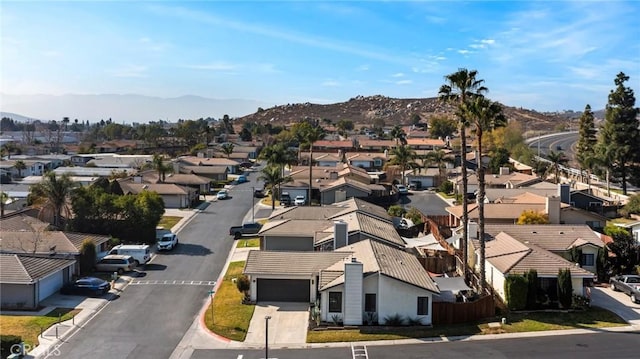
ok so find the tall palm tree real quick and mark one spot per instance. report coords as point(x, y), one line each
point(440, 159)
point(20, 166)
point(159, 165)
point(273, 178)
point(227, 149)
point(557, 159)
point(52, 194)
point(278, 155)
point(311, 135)
point(460, 86)
point(397, 133)
point(486, 116)
point(404, 157)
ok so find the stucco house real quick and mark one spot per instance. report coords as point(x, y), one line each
point(364, 277)
point(174, 196)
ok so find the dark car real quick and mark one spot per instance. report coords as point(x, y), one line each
point(90, 286)
point(258, 193)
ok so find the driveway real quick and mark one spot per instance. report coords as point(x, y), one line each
point(288, 323)
point(616, 302)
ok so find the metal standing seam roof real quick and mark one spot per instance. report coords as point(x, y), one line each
point(19, 269)
point(290, 263)
point(551, 237)
point(386, 260)
point(294, 228)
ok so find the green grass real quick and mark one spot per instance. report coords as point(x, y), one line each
point(231, 318)
point(249, 242)
point(447, 195)
point(518, 322)
point(28, 327)
point(167, 222)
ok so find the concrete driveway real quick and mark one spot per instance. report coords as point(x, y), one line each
point(616, 302)
point(288, 323)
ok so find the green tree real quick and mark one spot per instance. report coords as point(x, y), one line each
point(20, 166)
point(460, 87)
point(227, 149)
point(532, 217)
point(310, 135)
point(403, 156)
point(557, 159)
point(273, 179)
point(440, 159)
point(52, 194)
point(159, 165)
point(532, 289)
point(585, 149)
point(624, 247)
point(515, 291)
point(4, 198)
point(87, 256)
point(565, 288)
point(485, 115)
point(632, 206)
point(345, 126)
point(397, 133)
point(499, 158)
point(441, 127)
point(278, 155)
point(619, 138)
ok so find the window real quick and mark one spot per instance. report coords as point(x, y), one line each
point(370, 302)
point(377, 162)
point(335, 302)
point(587, 260)
point(423, 305)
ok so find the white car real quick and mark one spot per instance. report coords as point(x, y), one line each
point(168, 242)
point(222, 194)
point(299, 201)
point(402, 190)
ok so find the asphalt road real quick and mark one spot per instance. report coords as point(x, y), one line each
point(149, 320)
point(427, 202)
point(561, 142)
point(584, 346)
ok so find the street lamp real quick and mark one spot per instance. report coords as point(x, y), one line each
point(266, 336)
point(253, 204)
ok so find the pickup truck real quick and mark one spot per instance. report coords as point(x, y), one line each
point(246, 229)
point(630, 284)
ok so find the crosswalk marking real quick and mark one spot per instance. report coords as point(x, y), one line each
point(172, 282)
point(359, 351)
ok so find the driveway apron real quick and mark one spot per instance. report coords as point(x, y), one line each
point(616, 302)
point(288, 323)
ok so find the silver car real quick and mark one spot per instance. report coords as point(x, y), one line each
point(115, 263)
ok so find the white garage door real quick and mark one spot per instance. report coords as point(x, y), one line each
point(50, 285)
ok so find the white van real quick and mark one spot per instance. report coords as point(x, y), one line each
point(141, 253)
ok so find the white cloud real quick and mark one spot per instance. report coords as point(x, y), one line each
point(129, 71)
point(464, 52)
point(214, 66)
point(330, 83)
point(404, 82)
point(362, 68)
point(399, 74)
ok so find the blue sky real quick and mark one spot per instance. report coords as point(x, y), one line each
point(544, 55)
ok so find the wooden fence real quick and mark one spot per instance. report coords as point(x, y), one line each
point(456, 313)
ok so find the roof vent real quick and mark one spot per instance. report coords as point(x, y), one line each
point(534, 232)
point(561, 232)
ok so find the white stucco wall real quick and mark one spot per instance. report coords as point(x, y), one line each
point(395, 297)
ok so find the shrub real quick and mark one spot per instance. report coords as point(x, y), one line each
point(580, 302)
point(414, 215)
point(515, 289)
point(446, 187)
point(394, 320)
point(565, 288)
point(532, 289)
point(370, 318)
point(396, 211)
point(243, 284)
point(87, 256)
point(336, 319)
point(414, 321)
point(6, 342)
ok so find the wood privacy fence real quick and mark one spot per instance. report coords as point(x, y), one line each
point(456, 313)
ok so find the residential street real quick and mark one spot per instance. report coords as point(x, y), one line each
point(427, 202)
point(148, 320)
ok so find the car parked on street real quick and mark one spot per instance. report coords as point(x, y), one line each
point(168, 242)
point(88, 286)
point(115, 263)
point(402, 190)
point(222, 194)
point(299, 201)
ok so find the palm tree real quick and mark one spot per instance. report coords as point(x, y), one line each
point(459, 87)
point(4, 198)
point(278, 155)
point(311, 135)
point(404, 157)
point(272, 177)
point(52, 195)
point(486, 116)
point(227, 149)
point(20, 166)
point(440, 159)
point(159, 165)
point(398, 134)
point(557, 159)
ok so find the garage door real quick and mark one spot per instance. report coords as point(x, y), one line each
point(50, 285)
point(284, 290)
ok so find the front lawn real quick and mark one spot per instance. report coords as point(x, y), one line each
point(516, 322)
point(28, 327)
point(230, 317)
point(249, 242)
point(167, 222)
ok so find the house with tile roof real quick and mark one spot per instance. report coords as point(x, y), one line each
point(360, 278)
point(173, 195)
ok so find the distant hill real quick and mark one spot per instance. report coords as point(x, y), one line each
point(362, 110)
point(16, 117)
point(124, 108)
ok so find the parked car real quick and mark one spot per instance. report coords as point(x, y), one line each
point(89, 286)
point(258, 193)
point(168, 242)
point(141, 253)
point(402, 190)
point(415, 185)
point(299, 201)
point(222, 194)
point(115, 263)
point(630, 284)
point(242, 179)
point(248, 228)
point(285, 199)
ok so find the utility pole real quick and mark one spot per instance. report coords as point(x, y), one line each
point(253, 204)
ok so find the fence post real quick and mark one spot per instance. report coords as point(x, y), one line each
point(41, 333)
point(56, 331)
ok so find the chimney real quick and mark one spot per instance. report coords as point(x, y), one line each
point(504, 171)
point(552, 208)
point(352, 314)
point(564, 192)
point(472, 229)
point(386, 153)
point(176, 166)
point(137, 179)
point(340, 234)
